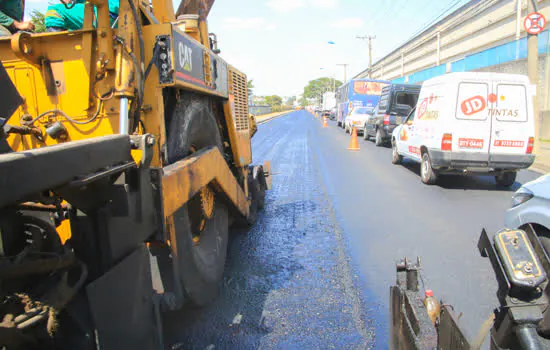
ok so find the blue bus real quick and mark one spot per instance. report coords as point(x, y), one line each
point(357, 93)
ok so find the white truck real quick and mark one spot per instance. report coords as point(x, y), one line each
point(329, 104)
point(470, 122)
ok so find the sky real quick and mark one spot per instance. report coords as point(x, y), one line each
point(283, 44)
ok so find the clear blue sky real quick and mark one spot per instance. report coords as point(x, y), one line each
point(282, 44)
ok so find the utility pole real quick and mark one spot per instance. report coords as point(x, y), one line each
point(533, 72)
point(345, 65)
point(369, 38)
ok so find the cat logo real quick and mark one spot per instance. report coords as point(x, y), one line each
point(185, 57)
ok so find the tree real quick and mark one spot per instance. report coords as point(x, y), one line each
point(37, 18)
point(303, 102)
point(274, 100)
point(315, 88)
point(250, 86)
point(290, 101)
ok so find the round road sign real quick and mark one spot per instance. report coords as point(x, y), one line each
point(534, 23)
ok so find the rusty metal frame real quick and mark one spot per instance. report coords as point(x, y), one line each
point(184, 179)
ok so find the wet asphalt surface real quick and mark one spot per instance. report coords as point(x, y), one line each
point(315, 271)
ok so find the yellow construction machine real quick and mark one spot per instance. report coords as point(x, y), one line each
point(125, 157)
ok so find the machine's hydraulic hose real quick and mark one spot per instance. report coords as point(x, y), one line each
point(528, 337)
point(141, 66)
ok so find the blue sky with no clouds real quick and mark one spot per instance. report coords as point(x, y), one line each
point(282, 44)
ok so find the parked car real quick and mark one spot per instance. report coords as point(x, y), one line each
point(468, 123)
point(357, 119)
point(529, 210)
point(396, 102)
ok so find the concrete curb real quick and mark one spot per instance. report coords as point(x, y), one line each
point(539, 168)
point(270, 118)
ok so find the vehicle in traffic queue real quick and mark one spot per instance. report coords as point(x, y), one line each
point(357, 93)
point(396, 102)
point(470, 123)
point(357, 119)
point(529, 209)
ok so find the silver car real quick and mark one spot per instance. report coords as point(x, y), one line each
point(531, 208)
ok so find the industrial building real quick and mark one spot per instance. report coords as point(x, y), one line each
point(482, 35)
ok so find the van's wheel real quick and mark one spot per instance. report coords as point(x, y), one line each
point(365, 134)
point(346, 129)
point(201, 225)
point(396, 158)
point(378, 140)
point(506, 179)
point(427, 173)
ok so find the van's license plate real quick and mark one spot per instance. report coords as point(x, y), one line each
point(470, 143)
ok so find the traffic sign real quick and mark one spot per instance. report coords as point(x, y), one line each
point(534, 23)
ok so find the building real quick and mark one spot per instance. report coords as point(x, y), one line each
point(482, 35)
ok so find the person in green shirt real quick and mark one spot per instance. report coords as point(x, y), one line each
point(60, 18)
point(11, 18)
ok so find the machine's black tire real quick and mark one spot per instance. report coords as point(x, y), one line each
point(506, 179)
point(193, 127)
point(254, 187)
point(378, 139)
point(396, 158)
point(201, 266)
point(427, 173)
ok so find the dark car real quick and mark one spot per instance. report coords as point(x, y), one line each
point(396, 102)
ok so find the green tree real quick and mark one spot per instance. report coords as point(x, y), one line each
point(290, 101)
point(250, 86)
point(303, 102)
point(37, 18)
point(274, 100)
point(315, 88)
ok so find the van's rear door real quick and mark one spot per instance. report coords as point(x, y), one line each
point(472, 125)
point(511, 126)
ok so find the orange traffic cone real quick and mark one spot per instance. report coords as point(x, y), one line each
point(354, 143)
point(325, 125)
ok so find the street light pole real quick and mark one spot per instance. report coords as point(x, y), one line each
point(345, 65)
point(533, 73)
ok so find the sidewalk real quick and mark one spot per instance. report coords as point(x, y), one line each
point(542, 160)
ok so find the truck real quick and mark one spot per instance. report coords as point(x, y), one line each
point(125, 157)
point(329, 104)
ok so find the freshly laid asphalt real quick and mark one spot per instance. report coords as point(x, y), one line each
point(315, 270)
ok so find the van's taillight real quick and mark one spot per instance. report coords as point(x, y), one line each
point(447, 142)
point(387, 119)
point(530, 145)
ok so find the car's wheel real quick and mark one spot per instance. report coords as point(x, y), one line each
point(346, 129)
point(506, 179)
point(378, 139)
point(365, 133)
point(427, 173)
point(201, 225)
point(339, 124)
point(396, 158)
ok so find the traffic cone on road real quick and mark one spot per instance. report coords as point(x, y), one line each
point(325, 125)
point(354, 143)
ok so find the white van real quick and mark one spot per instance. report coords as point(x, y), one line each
point(467, 123)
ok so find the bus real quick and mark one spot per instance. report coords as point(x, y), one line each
point(357, 93)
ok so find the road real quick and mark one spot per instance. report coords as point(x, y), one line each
point(315, 271)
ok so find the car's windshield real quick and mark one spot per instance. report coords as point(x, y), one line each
point(362, 110)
